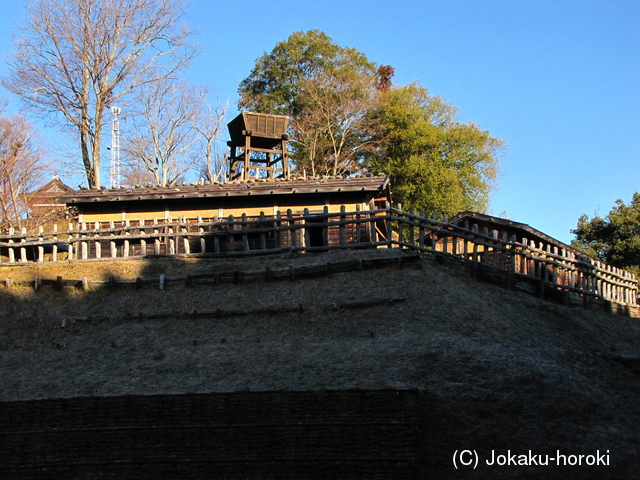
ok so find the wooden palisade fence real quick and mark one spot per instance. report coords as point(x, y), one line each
point(549, 265)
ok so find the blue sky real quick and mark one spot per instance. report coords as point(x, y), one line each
point(559, 81)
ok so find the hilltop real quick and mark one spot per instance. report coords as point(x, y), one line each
point(503, 369)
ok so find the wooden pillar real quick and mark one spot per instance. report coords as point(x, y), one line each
point(292, 231)
point(325, 229)
point(247, 156)
point(245, 238)
point(23, 250)
point(358, 226)
point(341, 228)
point(40, 258)
point(278, 225)
point(285, 157)
point(306, 234)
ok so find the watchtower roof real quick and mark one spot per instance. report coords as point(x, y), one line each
point(266, 130)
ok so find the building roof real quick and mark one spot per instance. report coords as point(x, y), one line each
point(54, 188)
point(371, 184)
point(511, 225)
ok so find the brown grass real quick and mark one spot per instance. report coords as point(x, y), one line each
point(511, 371)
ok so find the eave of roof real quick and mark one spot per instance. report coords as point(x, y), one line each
point(44, 190)
point(229, 189)
point(515, 225)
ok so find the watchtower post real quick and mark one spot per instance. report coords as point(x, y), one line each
point(258, 146)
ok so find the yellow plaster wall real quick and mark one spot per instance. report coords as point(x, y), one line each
point(211, 212)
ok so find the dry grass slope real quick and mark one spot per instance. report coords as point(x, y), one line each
point(504, 369)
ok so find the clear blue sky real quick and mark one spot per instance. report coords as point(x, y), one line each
point(559, 81)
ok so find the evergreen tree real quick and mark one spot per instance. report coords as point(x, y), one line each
point(437, 164)
point(614, 239)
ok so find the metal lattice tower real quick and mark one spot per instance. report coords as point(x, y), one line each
point(115, 148)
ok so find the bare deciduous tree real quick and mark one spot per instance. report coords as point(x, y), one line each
point(75, 57)
point(213, 166)
point(311, 139)
point(334, 123)
point(159, 145)
point(21, 168)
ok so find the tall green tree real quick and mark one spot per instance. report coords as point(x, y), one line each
point(277, 79)
point(614, 239)
point(348, 117)
point(436, 163)
point(326, 90)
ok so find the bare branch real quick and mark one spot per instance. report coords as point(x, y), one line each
point(75, 57)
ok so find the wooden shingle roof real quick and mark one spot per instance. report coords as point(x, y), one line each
point(372, 184)
point(510, 225)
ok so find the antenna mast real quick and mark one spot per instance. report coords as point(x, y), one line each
point(115, 148)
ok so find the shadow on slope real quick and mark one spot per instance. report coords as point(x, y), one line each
point(503, 370)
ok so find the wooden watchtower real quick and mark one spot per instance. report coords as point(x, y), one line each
point(258, 146)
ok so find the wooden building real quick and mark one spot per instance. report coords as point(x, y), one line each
point(261, 189)
point(521, 249)
point(503, 228)
point(42, 203)
point(219, 200)
point(214, 208)
point(488, 227)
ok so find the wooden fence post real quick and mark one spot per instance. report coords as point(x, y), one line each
point(389, 213)
point(185, 239)
point(84, 254)
point(494, 261)
point(263, 238)
point(278, 226)
point(231, 236)
point(371, 224)
point(325, 229)
point(23, 250)
point(171, 239)
point(342, 227)
point(11, 252)
point(40, 247)
point(292, 231)
point(216, 239)
point(203, 243)
point(54, 248)
point(400, 228)
point(306, 234)
point(245, 238)
point(358, 226)
point(126, 243)
point(412, 241)
point(421, 230)
point(474, 252)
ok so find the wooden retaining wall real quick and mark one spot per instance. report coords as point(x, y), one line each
point(276, 435)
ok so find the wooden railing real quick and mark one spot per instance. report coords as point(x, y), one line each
point(551, 265)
